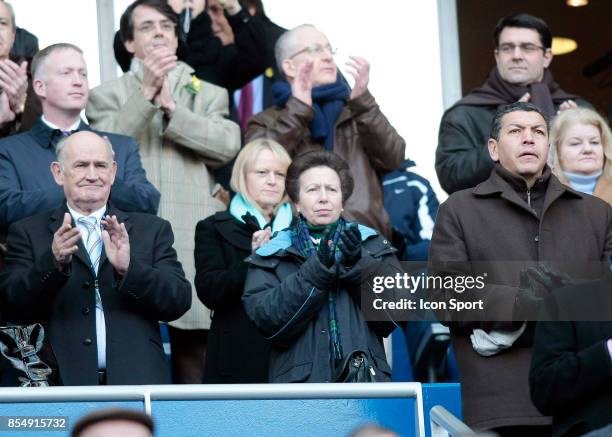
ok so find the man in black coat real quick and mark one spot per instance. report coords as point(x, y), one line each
point(98, 278)
point(522, 55)
point(571, 367)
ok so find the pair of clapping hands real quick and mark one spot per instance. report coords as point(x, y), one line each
point(13, 89)
point(534, 285)
point(349, 244)
point(114, 236)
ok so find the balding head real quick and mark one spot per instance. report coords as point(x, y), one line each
point(86, 170)
point(302, 44)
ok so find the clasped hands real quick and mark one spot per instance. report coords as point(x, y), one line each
point(534, 285)
point(156, 65)
point(349, 244)
point(14, 87)
point(114, 236)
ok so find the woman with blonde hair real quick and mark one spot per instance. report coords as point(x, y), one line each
point(237, 353)
point(581, 152)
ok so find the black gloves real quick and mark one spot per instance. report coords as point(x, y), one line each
point(549, 279)
point(350, 245)
point(527, 303)
point(325, 251)
point(251, 222)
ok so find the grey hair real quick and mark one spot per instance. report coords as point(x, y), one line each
point(39, 60)
point(285, 46)
point(513, 107)
point(61, 145)
point(12, 12)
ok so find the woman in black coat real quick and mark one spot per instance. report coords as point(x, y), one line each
point(237, 353)
point(304, 290)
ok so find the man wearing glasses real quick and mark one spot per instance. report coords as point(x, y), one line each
point(523, 55)
point(316, 109)
point(180, 123)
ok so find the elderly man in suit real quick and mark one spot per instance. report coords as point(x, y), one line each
point(98, 277)
point(180, 123)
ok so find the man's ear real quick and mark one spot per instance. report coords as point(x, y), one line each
point(129, 46)
point(114, 172)
point(39, 88)
point(492, 145)
point(289, 69)
point(56, 171)
point(548, 57)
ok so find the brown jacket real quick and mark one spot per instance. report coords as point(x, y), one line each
point(364, 138)
point(493, 224)
point(603, 189)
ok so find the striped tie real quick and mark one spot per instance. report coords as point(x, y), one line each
point(93, 242)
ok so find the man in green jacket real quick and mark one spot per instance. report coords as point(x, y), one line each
point(181, 126)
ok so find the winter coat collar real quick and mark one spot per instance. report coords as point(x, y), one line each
point(282, 241)
point(501, 184)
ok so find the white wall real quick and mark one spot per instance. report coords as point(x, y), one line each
point(72, 21)
point(399, 38)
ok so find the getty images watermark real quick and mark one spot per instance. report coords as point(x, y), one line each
point(488, 291)
point(412, 284)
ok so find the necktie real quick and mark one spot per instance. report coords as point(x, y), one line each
point(93, 245)
point(93, 241)
point(58, 135)
point(245, 106)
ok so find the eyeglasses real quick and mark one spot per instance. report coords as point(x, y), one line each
point(315, 49)
point(525, 48)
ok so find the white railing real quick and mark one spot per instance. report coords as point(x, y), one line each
point(445, 424)
point(149, 393)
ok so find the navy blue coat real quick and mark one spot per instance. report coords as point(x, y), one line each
point(27, 186)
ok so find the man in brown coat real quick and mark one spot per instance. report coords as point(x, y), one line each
point(315, 110)
point(520, 214)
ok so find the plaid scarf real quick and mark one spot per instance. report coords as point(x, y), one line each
point(307, 246)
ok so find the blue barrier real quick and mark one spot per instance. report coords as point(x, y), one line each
point(246, 410)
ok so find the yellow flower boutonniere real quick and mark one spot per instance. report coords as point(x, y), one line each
point(269, 72)
point(194, 86)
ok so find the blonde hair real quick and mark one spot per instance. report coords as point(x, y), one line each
point(247, 157)
point(567, 119)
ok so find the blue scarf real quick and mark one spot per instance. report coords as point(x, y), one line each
point(239, 206)
point(327, 102)
point(581, 182)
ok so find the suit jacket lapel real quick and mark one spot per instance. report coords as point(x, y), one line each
point(41, 134)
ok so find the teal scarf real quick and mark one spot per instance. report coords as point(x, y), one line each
point(239, 206)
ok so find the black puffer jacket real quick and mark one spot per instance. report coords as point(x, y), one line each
point(286, 296)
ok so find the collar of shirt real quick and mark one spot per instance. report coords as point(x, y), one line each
point(98, 214)
point(74, 126)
